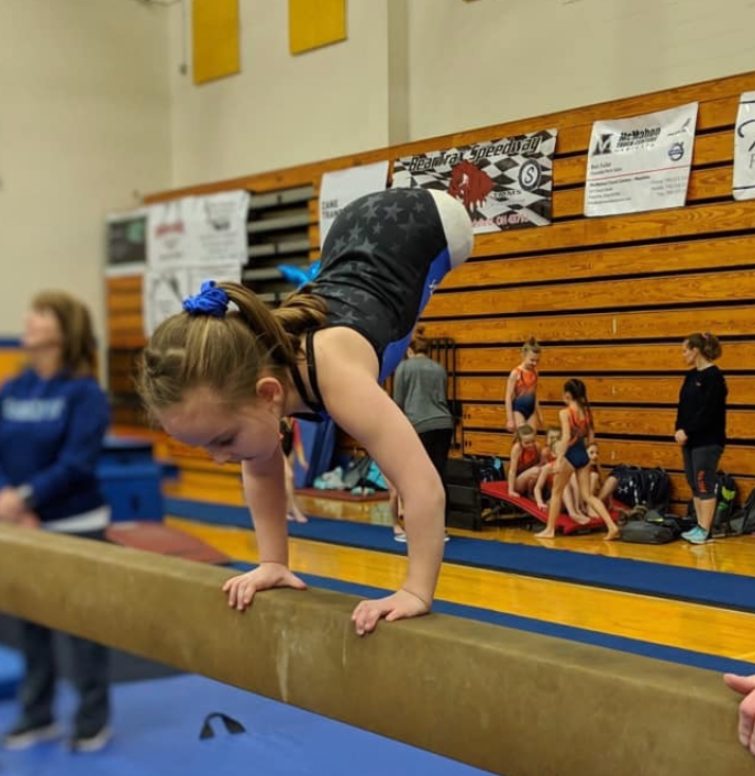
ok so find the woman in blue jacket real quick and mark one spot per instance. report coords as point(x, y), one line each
point(53, 418)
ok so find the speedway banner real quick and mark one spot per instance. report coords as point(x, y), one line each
point(504, 184)
point(641, 163)
point(744, 148)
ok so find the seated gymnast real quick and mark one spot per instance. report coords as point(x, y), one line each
point(524, 464)
point(223, 379)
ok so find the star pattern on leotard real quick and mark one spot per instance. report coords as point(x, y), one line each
point(392, 211)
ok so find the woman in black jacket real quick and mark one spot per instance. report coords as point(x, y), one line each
point(701, 427)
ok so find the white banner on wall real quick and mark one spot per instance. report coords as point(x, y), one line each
point(338, 189)
point(641, 163)
point(504, 184)
point(744, 148)
point(217, 229)
point(165, 288)
point(168, 241)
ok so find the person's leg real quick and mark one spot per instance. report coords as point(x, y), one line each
point(519, 419)
point(38, 685)
point(705, 464)
point(689, 473)
point(583, 478)
point(554, 506)
point(394, 504)
point(525, 482)
point(91, 678)
point(609, 486)
point(571, 505)
point(90, 675)
point(292, 508)
point(437, 444)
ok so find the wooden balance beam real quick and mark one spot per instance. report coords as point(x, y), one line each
point(500, 699)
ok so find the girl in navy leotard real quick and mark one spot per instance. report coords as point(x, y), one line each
point(222, 374)
point(521, 390)
point(576, 434)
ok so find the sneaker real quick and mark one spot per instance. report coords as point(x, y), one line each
point(698, 535)
point(23, 736)
point(446, 538)
point(399, 537)
point(93, 743)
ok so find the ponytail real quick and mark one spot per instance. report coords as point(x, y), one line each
point(531, 346)
point(224, 350)
point(578, 391)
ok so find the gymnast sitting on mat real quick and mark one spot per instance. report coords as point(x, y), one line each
point(524, 464)
point(223, 379)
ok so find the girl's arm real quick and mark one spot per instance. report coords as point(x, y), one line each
point(513, 463)
point(265, 494)
point(358, 405)
point(563, 444)
point(510, 385)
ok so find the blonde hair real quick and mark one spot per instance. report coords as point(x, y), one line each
point(531, 346)
point(79, 349)
point(524, 430)
point(227, 354)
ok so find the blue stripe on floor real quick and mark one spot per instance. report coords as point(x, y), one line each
point(712, 588)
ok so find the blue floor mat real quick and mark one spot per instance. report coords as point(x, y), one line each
point(713, 588)
point(11, 670)
point(157, 726)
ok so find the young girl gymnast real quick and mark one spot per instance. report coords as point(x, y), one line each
point(521, 390)
point(544, 483)
point(576, 434)
point(223, 378)
point(524, 464)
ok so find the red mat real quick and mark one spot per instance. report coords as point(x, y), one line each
point(500, 490)
point(157, 537)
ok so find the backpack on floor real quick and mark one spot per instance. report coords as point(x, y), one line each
point(649, 527)
point(637, 486)
point(743, 520)
point(726, 499)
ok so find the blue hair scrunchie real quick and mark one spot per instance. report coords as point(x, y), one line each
point(210, 300)
point(297, 275)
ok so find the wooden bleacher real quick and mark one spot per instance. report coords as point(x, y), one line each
point(610, 299)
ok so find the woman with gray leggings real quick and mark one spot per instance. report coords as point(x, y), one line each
point(701, 427)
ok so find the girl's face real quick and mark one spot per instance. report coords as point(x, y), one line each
point(41, 330)
point(531, 360)
point(552, 437)
point(568, 398)
point(689, 355)
point(592, 452)
point(527, 441)
point(246, 433)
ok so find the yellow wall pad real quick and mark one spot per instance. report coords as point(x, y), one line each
point(511, 702)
